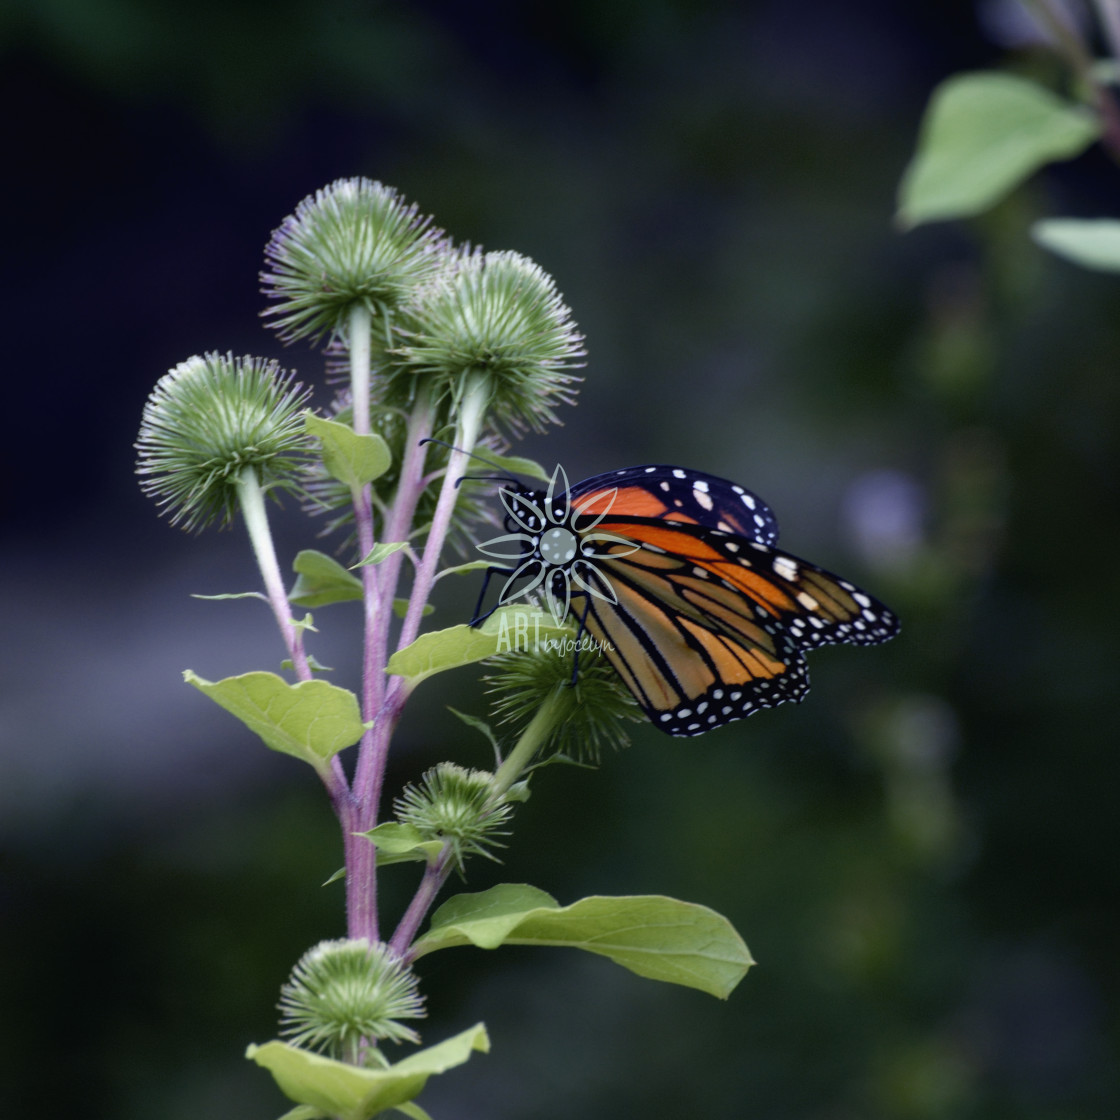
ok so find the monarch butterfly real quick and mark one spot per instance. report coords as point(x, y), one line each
point(676, 576)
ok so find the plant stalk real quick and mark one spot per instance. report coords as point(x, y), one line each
point(251, 499)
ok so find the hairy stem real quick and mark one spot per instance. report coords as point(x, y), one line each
point(251, 499)
point(435, 875)
point(358, 343)
point(472, 408)
point(361, 857)
point(532, 739)
point(370, 773)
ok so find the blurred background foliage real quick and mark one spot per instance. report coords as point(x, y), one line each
point(922, 857)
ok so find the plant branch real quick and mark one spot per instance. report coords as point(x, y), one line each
point(435, 875)
point(1069, 43)
point(251, 500)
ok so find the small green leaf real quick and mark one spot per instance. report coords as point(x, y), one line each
point(398, 842)
point(236, 595)
point(348, 1092)
point(478, 725)
point(413, 1110)
point(653, 936)
point(515, 464)
point(983, 134)
point(507, 629)
point(1092, 243)
point(380, 551)
point(463, 569)
point(400, 608)
point(351, 458)
point(304, 1112)
point(322, 580)
point(312, 720)
point(313, 663)
point(339, 874)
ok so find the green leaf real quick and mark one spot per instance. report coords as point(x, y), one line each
point(414, 1111)
point(305, 1112)
point(313, 663)
point(236, 595)
point(478, 725)
point(507, 629)
point(380, 551)
point(515, 464)
point(348, 1092)
point(463, 569)
point(653, 936)
point(312, 720)
point(349, 457)
point(322, 580)
point(339, 874)
point(1092, 243)
point(398, 842)
point(400, 608)
point(983, 134)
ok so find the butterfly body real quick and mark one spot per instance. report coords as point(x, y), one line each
point(677, 576)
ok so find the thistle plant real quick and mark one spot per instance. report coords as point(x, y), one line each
point(446, 351)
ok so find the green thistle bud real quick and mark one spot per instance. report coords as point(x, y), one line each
point(587, 716)
point(354, 242)
point(209, 419)
point(342, 994)
point(495, 319)
point(457, 806)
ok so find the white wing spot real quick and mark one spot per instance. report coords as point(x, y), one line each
point(785, 567)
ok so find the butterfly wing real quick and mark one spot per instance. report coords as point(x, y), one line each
point(706, 625)
point(675, 494)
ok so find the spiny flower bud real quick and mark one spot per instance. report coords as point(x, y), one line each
point(457, 806)
point(498, 319)
point(206, 422)
point(590, 715)
point(353, 242)
point(344, 993)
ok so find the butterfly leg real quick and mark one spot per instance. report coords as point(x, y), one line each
point(477, 618)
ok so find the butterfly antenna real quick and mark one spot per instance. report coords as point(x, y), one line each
point(473, 455)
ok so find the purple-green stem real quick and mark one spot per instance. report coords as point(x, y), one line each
point(384, 697)
point(251, 499)
point(435, 874)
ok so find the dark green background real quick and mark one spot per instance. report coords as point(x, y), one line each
point(923, 856)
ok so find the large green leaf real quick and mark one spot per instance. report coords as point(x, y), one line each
point(351, 458)
point(349, 1093)
point(983, 134)
point(322, 580)
point(312, 720)
point(507, 629)
point(1092, 243)
point(654, 936)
